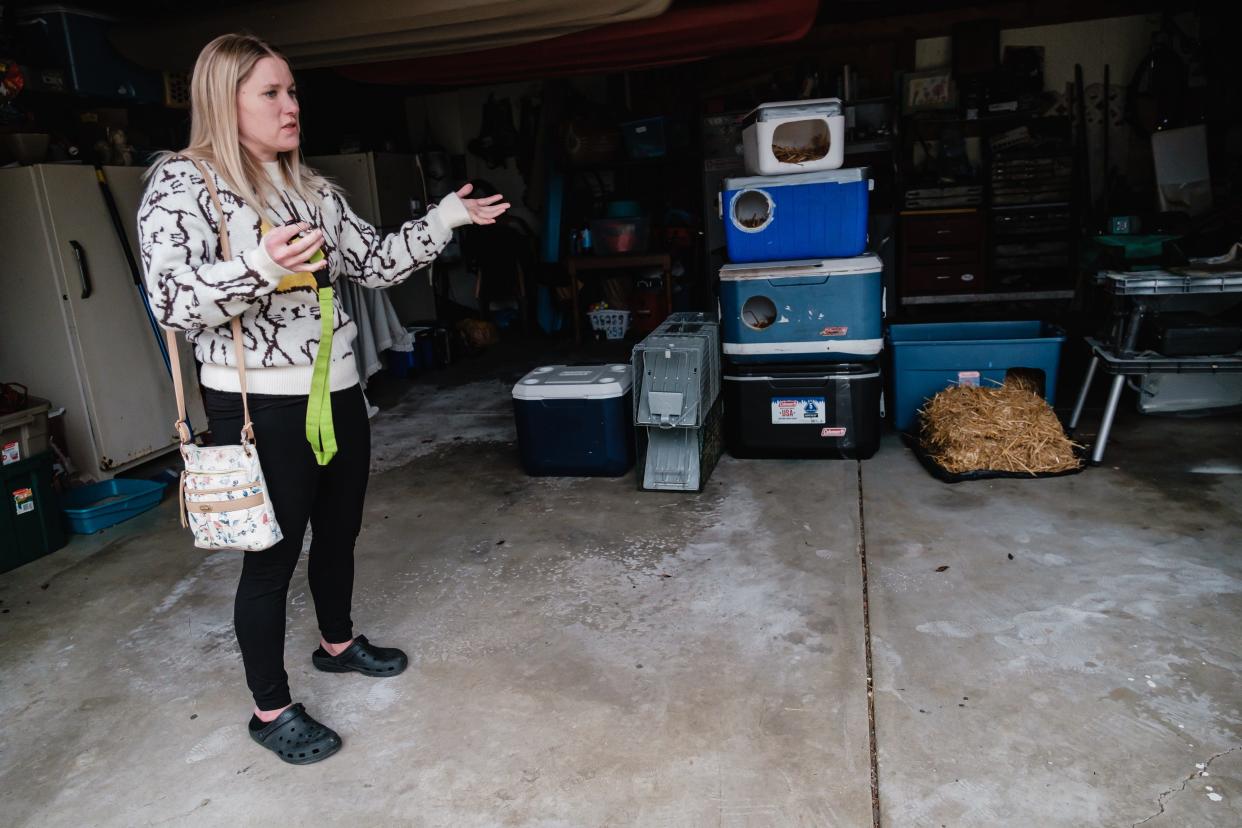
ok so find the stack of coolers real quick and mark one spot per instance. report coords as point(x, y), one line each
point(801, 304)
point(677, 406)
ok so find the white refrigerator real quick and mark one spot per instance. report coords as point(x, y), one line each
point(73, 327)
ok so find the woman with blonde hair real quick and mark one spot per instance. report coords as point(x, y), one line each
point(290, 232)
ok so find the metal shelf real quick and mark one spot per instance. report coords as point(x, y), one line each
point(1012, 296)
point(860, 147)
point(1150, 362)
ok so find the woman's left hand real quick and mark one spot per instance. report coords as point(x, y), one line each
point(482, 210)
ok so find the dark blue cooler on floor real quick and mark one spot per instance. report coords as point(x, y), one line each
point(816, 215)
point(829, 310)
point(820, 410)
point(575, 420)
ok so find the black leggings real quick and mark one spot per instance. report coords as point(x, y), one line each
point(329, 497)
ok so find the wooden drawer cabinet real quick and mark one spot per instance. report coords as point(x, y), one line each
point(942, 251)
point(944, 256)
point(943, 229)
point(960, 278)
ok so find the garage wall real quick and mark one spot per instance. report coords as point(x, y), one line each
point(1120, 42)
point(451, 119)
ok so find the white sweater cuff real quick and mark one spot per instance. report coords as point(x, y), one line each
point(261, 262)
point(450, 213)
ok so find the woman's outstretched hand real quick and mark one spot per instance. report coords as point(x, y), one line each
point(482, 210)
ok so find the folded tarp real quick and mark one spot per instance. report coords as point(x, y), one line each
point(331, 33)
point(687, 32)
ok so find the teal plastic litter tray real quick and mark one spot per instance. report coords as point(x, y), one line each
point(97, 506)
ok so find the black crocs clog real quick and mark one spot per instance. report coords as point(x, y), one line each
point(362, 657)
point(295, 737)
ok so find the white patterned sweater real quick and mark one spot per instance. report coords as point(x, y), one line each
point(193, 290)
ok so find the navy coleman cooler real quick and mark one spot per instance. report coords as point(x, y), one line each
point(575, 420)
point(825, 410)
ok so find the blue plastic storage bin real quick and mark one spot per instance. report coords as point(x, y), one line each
point(927, 358)
point(402, 364)
point(575, 420)
point(422, 357)
point(816, 215)
point(645, 138)
point(31, 523)
point(97, 506)
point(76, 42)
point(810, 311)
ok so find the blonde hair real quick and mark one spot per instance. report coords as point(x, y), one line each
point(222, 67)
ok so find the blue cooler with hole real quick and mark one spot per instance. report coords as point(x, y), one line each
point(575, 420)
point(815, 215)
point(827, 310)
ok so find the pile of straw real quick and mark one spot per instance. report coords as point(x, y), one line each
point(1009, 428)
point(816, 150)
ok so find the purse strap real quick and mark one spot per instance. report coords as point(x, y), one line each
point(183, 430)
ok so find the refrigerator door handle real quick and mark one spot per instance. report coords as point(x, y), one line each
point(83, 270)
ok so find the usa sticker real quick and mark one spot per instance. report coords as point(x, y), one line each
point(23, 499)
point(834, 331)
point(832, 432)
point(10, 453)
point(968, 378)
point(798, 411)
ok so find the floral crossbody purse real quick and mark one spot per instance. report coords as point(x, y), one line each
point(223, 495)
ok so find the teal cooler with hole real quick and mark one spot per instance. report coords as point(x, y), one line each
point(930, 357)
point(826, 310)
point(815, 215)
point(575, 420)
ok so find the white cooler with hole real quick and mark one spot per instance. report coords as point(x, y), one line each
point(812, 130)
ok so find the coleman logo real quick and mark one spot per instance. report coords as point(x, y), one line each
point(834, 331)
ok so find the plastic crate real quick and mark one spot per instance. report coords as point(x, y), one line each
point(23, 434)
point(613, 323)
point(31, 522)
point(927, 358)
point(97, 506)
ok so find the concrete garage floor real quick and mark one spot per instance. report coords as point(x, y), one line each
point(588, 655)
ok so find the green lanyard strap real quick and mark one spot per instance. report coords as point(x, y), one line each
point(319, 430)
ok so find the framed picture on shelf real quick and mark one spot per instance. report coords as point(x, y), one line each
point(928, 91)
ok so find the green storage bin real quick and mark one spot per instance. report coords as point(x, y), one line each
point(31, 521)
